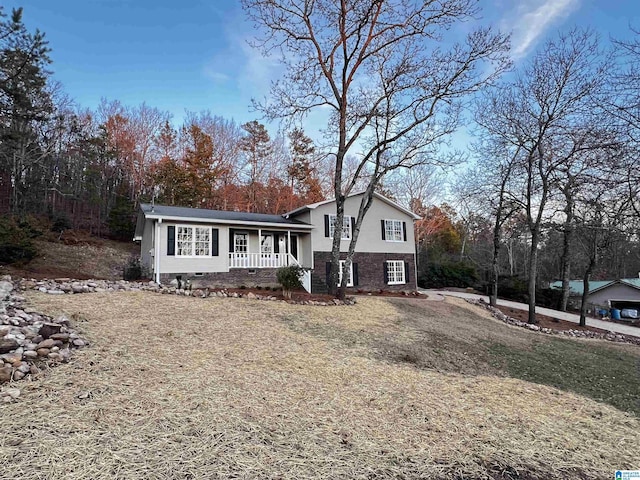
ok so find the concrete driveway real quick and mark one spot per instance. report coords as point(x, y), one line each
point(570, 317)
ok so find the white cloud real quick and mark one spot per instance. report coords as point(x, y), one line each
point(531, 20)
point(216, 76)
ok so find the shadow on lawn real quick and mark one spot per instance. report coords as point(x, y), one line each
point(452, 339)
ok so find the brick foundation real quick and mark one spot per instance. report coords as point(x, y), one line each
point(234, 278)
point(370, 274)
point(370, 271)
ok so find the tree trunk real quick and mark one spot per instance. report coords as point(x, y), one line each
point(495, 267)
point(533, 271)
point(567, 245)
point(585, 292)
point(334, 275)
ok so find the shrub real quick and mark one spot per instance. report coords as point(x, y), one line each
point(16, 245)
point(61, 222)
point(133, 269)
point(549, 297)
point(513, 288)
point(289, 278)
point(438, 275)
point(32, 226)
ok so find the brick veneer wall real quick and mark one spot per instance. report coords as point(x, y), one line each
point(234, 278)
point(370, 271)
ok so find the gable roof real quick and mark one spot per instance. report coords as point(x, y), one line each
point(313, 206)
point(576, 287)
point(219, 216)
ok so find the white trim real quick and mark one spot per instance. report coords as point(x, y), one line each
point(402, 232)
point(404, 276)
point(246, 235)
point(348, 229)
point(287, 226)
point(313, 206)
point(193, 241)
point(260, 235)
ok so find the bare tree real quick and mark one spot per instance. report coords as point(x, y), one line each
point(538, 116)
point(490, 188)
point(382, 69)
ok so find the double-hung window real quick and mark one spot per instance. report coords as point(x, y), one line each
point(346, 226)
point(266, 244)
point(193, 242)
point(240, 243)
point(395, 272)
point(393, 231)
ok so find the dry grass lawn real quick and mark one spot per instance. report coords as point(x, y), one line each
point(225, 388)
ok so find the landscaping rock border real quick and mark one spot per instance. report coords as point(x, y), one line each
point(611, 336)
point(62, 286)
point(29, 340)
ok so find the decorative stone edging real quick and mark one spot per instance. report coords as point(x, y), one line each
point(611, 336)
point(29, 340)
point(61, 286)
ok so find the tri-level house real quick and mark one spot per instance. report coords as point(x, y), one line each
point(218, 248)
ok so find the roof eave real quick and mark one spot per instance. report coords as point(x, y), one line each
point(313, 206)
point(173, 218)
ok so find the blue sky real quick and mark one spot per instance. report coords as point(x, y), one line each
point(193, 55)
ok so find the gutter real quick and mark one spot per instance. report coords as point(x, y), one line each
point(229, 222)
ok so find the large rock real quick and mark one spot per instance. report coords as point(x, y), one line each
point(49, 329)
point(7, 345)
point(5, 374)
point(12, 358)
point(48, 343)
point(64, 337)
point(6, 288)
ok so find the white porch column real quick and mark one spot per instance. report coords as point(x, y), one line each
point(288, 245)
point(259, 247)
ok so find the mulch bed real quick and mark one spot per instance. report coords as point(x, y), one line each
point(302, 295)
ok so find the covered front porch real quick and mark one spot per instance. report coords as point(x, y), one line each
point(262, 248)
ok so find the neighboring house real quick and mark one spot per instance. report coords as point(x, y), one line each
point(221, 248)
point(621, 294)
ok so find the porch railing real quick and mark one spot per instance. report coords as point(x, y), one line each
point(259, 260)
point(268, 260)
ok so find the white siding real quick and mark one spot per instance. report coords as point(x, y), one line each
point(370, 238)
point(175, 264)
point(614, 292)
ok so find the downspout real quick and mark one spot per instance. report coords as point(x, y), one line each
point(157, 251)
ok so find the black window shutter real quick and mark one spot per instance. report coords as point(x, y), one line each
point(406, 272)
point(171, 240)
point(328, 266)
point(404, 230)
point(214, 242)
point(276, 243)
point(231, 246)
point(384, 235)
point(386, 273)
point(326, 225)
point(353, 224)
point(355, 275)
